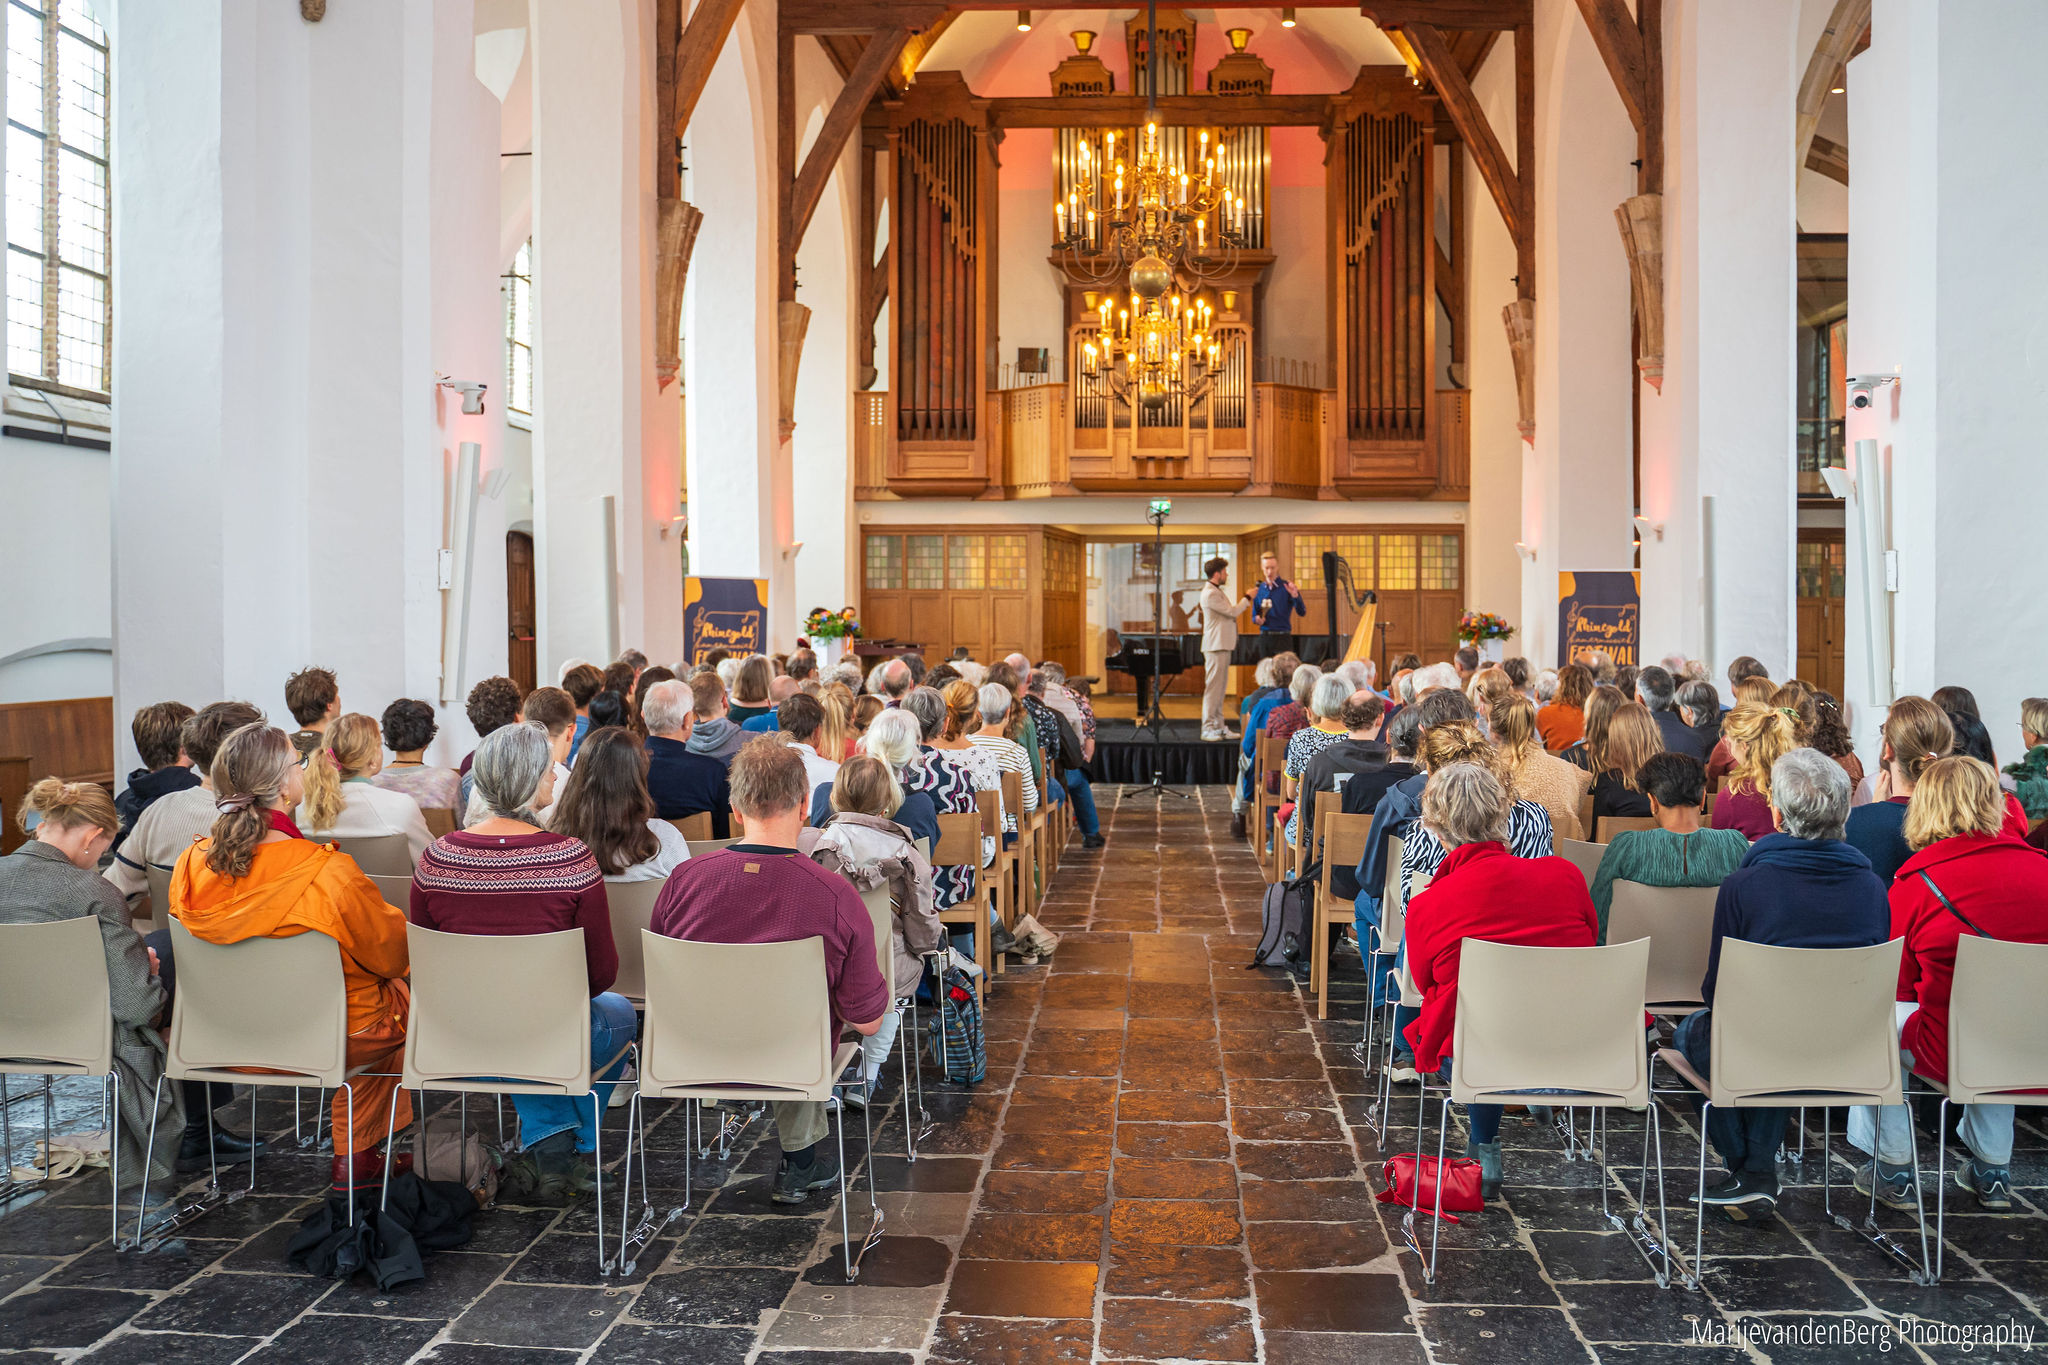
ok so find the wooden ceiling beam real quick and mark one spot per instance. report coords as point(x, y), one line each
point(1620, 44)
point(905, 70)
point(1175, 111)
point(861, 87)
point(1829, 158)
point(703, 39)
point(843, 51)
point(1469, 119)
point(1848, 29)
point(857, 16)
point(1441, 14)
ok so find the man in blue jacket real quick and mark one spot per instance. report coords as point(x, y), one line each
point(1803, 887)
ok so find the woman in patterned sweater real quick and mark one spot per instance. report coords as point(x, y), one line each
point(948, 781)
point(1326, 704)
point(505, 876)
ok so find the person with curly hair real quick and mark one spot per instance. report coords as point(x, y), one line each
point(409, 727)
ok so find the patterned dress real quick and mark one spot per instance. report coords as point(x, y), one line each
point(1301, 747)
point(1528, 837)
point(951, 784)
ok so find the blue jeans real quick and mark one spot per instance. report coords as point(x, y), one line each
point(1483, 1120)
point(1746, 1139)
point(1366, 919)
point(1986, 1130)
point(1076, 783)
point(612, 1025)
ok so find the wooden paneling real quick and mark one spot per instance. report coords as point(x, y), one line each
point(1418, 571)
point(1452, 438)
point(1034, 427)
point(1287, 445)
point(72, 739)
point(1005, 588)
point(870, 445)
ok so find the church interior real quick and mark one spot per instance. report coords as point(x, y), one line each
point(1145, 537)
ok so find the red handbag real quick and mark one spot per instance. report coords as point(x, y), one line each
point(1412, 1180)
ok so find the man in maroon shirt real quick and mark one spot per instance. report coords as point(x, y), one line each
point(762, 890)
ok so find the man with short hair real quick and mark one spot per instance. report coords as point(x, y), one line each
point(553, 711)
point(896, 681)
point(682, 783)
point(762, 890)
point(800, 718)
point(1466, 661)
point(1275, 600)
point(582, 683)
point(1803, 887)
point(169, 825)
point(1438, 678)
point(1658, 689)
point(914, 661)
point(712, 732)
point(780, 690)
point(1069, 750)
point(800, 665)
point(1361, 759)
point(165, 766)
point(313, 696)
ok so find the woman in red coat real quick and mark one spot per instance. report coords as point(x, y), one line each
point(1482, 891)
point(1970, 873)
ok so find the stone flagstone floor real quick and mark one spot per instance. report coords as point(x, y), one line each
point(1167, 1162)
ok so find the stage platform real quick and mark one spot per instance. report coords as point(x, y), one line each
point(1124, 754)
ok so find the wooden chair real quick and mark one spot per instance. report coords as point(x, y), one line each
point(439, 822)
point(996, 874)
point(960, 845)
point(1344, 838)
point(1266, 756)
point(1611, 825)
point(1024, 853)
point(694, 828)
point(1586, 815)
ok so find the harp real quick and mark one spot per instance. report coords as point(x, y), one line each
point(1337, 579)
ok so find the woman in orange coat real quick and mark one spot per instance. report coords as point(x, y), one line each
point(257, 877)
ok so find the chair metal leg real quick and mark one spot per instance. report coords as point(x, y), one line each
point(1653, 1245)
point(1699, 1208)
point(632, 1242)
point(1940, 1193)
point(845, 1227)
point(113, 1083)
point(604, 1264)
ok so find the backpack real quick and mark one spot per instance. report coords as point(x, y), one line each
point(956, 1039)
point(1285, 934)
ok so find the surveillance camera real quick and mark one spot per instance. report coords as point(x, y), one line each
point(472, 392)
point(1863, 388)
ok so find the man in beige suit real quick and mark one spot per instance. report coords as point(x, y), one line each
point(1219, 638)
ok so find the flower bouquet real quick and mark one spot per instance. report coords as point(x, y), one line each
point(822, 624)
point(1487, 631)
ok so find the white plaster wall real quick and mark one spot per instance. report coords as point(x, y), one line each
point(1493, 574)
point(821, 462)
point(54, 542)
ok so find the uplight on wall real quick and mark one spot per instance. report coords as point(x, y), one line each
point(1287, 17)
point(1527, 552)
point(1023, 21)
point(1655, 528)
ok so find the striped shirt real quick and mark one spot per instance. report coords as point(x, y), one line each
point(1528, 837)
point(502, 884)
point(1010, 757)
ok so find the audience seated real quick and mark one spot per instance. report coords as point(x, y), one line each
point(1799, 887)
point(52, 877)
point(1601, 704)
point(865, 709)
point(165, 766)
point(1001, 720)
point(1700, 706)
point(170, 824)
point(1751, 687)
point(1562, 723)
point(314, 698)
point(749, 689)
point(1070, 752)
point(647, 679)
point(1829, 733)
point(606, 708)
point(893, 739)
point(1916, 733)
point(255, 876)
point(763, 890)
point(1658, 690)
point(1543, 778)
point(1528, 834)
point(1071, 701)
point(894, 682)
point(801, 720)
point(553, 710)
point(1680, 851)
point(619, 677)
point(1974, 741)
point(1022, 724)
point(1480, 891)
point(834, 739)
point(341, 800)
point(1258, 715)
point(409, 727)
point(605, 804)
point(1360, 755)
point(1968, 875)
point(865, 843)
point(1398, 808)
point(945, 776)
point(1629, 738)
point(1757, 737)
point(507, 876)
point(2029, 775)
point(712, 732)
point(801, 665)
point(1517, 669)
point(682, 783)
point(1466, 661)
point(1326, 728)
point(582, 683)
point(956, 744)
point(492, 703)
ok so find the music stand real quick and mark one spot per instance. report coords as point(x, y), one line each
point(1154, 719)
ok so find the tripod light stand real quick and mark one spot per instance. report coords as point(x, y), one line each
point(1154, 719)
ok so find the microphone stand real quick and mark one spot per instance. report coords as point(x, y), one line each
point(1155, 719)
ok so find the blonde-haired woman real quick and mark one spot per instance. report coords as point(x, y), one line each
point(256, 876)
point(1529, 831)
point(1628, 741)
point(54, 876)
point(1758, 736)
point(1969, 875)
point(343, 802)
point(1754, 688)
point(1916, 733)
point(1544, 778)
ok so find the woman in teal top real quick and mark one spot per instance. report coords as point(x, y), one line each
point(1679, 852)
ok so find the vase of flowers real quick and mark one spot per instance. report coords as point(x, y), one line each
point(829, 633)
point(1486, 631)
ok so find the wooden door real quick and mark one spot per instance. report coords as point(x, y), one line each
point(1823, 619)
point(519, 611)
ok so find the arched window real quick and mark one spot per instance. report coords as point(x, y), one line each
point(59, 304)
point(519, 333)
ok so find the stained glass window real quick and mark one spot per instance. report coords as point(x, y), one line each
point(519, 332)
point(885, 562)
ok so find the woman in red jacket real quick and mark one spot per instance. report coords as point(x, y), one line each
point(1969, 874)
point(1482, 891)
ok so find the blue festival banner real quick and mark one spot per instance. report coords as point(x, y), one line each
point(724, 613)
point(1599, 611)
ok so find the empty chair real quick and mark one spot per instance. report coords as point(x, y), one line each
point(1800, 1027)
point(1343, 838)
point(380, 855)
point(56, 1019)
point(742, 1021)
point(960, 845)
point(1537, 1024)
point(504, 1015)
point(1678, 923)
point(274, 1007)
point(1584, 856)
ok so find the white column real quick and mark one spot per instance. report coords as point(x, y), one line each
point(285, 194)
point(1493, 572)
point(599, 431)
point(1723, 427)
point(739, 473)
point(1938, 291)
point(1576, 478)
